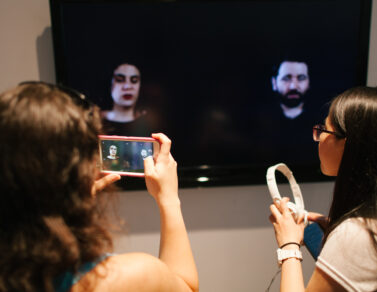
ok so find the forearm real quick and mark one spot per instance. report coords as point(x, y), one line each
point(175, 249)
point(291, 276)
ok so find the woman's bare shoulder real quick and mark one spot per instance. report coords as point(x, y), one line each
point(131, 272)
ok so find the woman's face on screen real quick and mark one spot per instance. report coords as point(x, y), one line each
point(125, 85)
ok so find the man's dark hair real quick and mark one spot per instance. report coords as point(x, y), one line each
point(288, 58)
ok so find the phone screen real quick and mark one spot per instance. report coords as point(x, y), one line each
point(125, 155)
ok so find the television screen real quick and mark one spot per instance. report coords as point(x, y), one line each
point(236, 85)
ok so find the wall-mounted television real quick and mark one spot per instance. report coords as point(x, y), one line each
point(207, 74)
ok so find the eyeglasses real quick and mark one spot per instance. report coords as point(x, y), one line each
point(319, 129)
point(77, 97)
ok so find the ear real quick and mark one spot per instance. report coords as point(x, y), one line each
point(273, 83)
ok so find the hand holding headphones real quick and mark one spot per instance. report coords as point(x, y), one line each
point(297, 209)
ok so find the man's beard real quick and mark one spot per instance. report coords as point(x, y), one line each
point(291, 102)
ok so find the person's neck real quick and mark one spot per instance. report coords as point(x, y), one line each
point(292, 112)
point(121, 114)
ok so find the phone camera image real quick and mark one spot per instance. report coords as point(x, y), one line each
point(125, 156)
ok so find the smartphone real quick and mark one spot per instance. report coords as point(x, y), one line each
point(313, 235)
point(125, 155)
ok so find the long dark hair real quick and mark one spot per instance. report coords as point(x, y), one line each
point(49, 220)
point(353, 114)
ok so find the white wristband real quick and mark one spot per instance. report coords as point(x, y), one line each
point(284, 254)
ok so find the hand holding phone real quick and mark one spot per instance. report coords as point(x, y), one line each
point(161, 175)
point(104, 181)
point(125, 155)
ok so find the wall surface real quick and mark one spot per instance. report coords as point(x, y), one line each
point(232, 239)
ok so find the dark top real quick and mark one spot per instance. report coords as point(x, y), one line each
point(282, 139)
point(65, 281)
point(139, 128)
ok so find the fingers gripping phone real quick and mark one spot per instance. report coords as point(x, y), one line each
point(125, 155)
point(313, 233)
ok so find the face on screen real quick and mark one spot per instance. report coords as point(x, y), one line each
point(291, 83)
point(112, 151)
point(125, 85)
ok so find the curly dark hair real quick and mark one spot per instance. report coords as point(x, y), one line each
point(50, 222)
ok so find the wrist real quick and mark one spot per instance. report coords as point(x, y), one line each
point(290, 245)
point(169, 202)
point(284, 254)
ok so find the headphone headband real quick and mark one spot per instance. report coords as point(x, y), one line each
point(272, 186)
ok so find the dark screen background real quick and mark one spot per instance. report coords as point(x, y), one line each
point(206, 68)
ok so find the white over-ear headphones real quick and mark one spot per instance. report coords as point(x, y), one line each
point(296, 208)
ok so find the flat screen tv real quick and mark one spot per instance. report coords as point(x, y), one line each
point(215, 76)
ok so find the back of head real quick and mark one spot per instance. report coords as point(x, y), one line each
point(47, 142)
point(353, 114)
point(48, 153)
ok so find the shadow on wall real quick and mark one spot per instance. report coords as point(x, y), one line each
point(45, 56)
point(240, 207)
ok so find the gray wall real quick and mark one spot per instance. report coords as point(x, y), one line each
point(232, 239)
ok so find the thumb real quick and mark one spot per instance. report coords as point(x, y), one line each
point(148, 165)
point(313, 216)
point(103, 182)
point(322, 220)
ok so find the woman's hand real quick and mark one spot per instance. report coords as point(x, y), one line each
point(286, 228)
point(161, 175)
point(103, 182)
point(322, 220)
